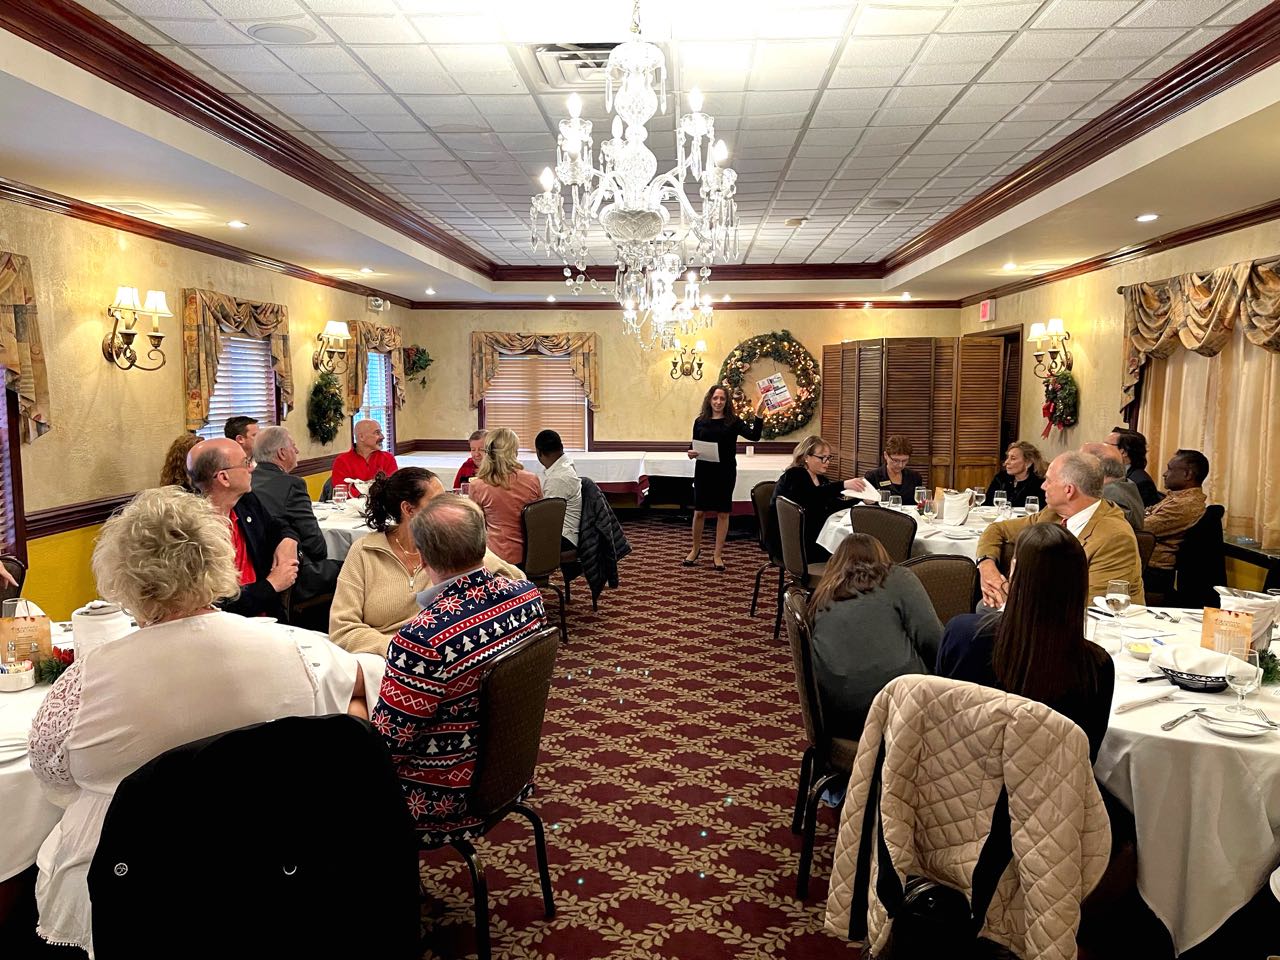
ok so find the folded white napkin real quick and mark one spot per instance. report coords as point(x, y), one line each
point(1167, 694)
point(1264, 608)
point(1188, 659)
point(954, 509)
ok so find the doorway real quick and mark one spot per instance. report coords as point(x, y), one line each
point(1010, 380)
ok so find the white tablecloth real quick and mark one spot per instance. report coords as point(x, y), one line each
point(623, 467)
point(930, 537)
point(751, 470)
point(340, 527)
point(1207, 807)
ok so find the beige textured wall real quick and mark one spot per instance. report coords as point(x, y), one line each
point(1094, 314)
point(640, 400)
point(111, 427)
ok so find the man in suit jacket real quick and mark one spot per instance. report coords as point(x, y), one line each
point(1072, 492)
point(1116, 487)
point(285, 497)
point(266, 551)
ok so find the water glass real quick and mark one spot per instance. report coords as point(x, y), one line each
point(340, 494)
point(979, 496)
point(922, 494)
point(1108, 635)
point(1117, 598)
point(1244, 673)
point(1033, 505)
point(929, 508)
point(1000, 500)
point(895, 502)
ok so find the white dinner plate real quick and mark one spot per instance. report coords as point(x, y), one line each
point(1242, 727)
point(1132, 611)
point(958, 533)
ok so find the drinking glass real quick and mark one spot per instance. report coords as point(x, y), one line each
point(1244, 674)
point(340, 494)
point(1000, 500)
point(895, 502)
point(922, 494)
point(1108, 635)
point(979, 496)
point(929, 508)
point(1117, 598)
point(1033, 505)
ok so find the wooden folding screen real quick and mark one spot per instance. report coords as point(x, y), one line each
point(943, 394)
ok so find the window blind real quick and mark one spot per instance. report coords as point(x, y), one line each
point(376, 403)
point(533, 392)
point(246, 385)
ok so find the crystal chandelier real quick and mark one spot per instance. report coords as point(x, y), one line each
point(665, 245)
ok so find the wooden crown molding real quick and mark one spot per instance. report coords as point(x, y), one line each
point(572, 305)
point(88, 41)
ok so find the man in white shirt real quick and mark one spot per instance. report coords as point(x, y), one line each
point(560, 480)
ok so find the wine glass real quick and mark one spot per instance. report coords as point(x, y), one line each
point(929, 508)
point(979, 496)
point(1244, 674)
point(340, 495)
point(1032, 505)
point(922, 494)
point(1117, 598)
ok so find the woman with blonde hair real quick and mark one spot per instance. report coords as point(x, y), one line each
point(189, 671)
point(174, 471)
point(1022, 476)
point(502, 488)
point(805, 484)
point(871, 621)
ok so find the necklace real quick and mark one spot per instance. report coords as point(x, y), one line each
point(409, 559)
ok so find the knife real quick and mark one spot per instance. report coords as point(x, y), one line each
point(1186, 716)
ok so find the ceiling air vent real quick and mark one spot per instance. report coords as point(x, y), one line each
point(136, 209)
point(566, 66)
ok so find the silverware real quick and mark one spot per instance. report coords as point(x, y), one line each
point(1240, 723)
point(1265, 719)
point(1126, 707)
point(1153, 679)
point(1169, 725)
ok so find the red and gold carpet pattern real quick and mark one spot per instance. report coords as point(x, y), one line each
point(670, 755)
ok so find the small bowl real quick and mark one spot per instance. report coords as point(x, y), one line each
point(1138, 649)
point(14, 682)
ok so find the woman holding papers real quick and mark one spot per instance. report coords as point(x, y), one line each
point(715, 443)
point(805, 483)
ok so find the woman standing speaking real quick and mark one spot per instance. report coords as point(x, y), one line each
point(713, 482)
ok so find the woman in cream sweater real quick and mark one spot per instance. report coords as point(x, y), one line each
point(382, 575)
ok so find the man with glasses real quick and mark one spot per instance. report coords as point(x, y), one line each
point(894, 477)
point(266, 550)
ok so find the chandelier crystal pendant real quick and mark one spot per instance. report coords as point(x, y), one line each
point(665, 244)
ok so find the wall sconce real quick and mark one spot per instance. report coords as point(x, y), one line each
point(331, 356)
point(1056, 358)
point(117, 346)
point(688, 363)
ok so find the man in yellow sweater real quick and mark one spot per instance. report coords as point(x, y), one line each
point(1072, 493)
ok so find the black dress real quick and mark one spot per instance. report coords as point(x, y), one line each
point(819, 501)
point(713, 482)
point(879, 478)
point(1017, 490)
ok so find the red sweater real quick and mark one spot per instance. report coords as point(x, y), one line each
point(465, 472)
point(351, 464)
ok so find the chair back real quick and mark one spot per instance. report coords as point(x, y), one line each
point(326, 492)
point(895, 531)
point(18, 570)
point(794, 615)
point(189, 842)
point(950, 581)
point(513, 702)
point(791, 537)
point(1146, 546)
point(1201, 563)
point(762, 503)
point(543, 523)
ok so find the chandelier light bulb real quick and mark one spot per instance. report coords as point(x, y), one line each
point(695, 100)
point(720, 151)
point(575, 106)
point(548, 179)
point(617, 128)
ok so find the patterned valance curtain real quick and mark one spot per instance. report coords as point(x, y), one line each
point(582, 349)
point(1199, 311)
point(205, 315)
point(378, 338)
point(21, 353)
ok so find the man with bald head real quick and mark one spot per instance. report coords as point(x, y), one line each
point(1116, 486)
point(365, 460)
point(266, 550)
point(1073, 498)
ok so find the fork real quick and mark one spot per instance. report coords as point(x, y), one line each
point(1257, 711)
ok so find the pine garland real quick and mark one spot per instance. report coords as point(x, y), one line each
point(779, 347)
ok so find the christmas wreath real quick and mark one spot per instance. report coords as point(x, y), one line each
point(1061, 402)
point(324, 408)
point(416, 361)
point(779, 347)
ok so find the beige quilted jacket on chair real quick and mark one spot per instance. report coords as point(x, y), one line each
point(950, 748)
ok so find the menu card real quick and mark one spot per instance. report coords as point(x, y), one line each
point(775, 393)
point(1224, 629)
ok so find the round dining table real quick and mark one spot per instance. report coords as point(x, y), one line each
point(931, 537)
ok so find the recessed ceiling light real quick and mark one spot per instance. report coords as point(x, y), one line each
point(236, 224)
point(906, 296)
point(431, 291)
point(866, 304)
point(366, 269)
point(551, 298)
point(1147, 217)
point(1010, 266)
point(280, 33)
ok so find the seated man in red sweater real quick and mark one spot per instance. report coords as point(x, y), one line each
point(472, 463)
point(364, 460)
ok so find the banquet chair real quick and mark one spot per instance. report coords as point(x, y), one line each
point(895, 531)
point(513, 702)
point(795, 560)
point(950, 581)
point(1146, 547)
point(1201, 563)
point(761, 501)
point(18, 570)
point(543, 521)
point(826, 758)
point(326, 492)
point(229, 845)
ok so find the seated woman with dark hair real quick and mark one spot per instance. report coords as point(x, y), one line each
point(1037, 648)
point(871, 621)
point(173, 472)
point(805, 483)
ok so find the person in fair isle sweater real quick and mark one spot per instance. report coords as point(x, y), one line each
point(428, 709)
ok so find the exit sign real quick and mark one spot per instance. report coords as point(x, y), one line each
point(987, 311)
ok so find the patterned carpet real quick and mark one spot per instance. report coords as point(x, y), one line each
point(669, 762)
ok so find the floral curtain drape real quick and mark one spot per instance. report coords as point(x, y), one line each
point(21, 352)
point(1199, 311)
point(366, 336)
point(205, 314)
point(581, 348)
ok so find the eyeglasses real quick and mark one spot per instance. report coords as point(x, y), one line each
point(899, 461)
point(826, 459)
point(246, 464)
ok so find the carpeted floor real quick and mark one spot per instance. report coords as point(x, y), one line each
point(669, 763)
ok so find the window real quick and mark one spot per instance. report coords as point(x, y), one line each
point(246, 385)
point(377, 405)
point(532, 392)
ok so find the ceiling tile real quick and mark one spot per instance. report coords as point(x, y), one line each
point(983, 19)
point(991, 93)
point(782, 103)
point(878, 19)
point(926, 74)
point(256, 10)
point(880, 51)
point(342, 82)
point(251, 59)
point(791, 65)
point(318, 59)
point(1064, 14)
point(865, 76)
point(1125, 44)
point(1077, 91)
point(394, 29)
point(1022, 71)
point(1094, 69)
point(1048, 44)
point(1172, 13)
point(962, 48)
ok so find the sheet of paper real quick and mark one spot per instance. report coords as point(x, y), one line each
point(707, 451)
point(870, 494)
point(775, 393)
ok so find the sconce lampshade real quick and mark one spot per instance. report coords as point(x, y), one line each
point(336, 330)
point(700, 346)
point(156, 304)
point(126, 299)
point(1038, 332)
point(1055, 327)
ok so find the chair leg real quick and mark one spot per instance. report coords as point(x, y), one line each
point(480, 889)
point(568, 594)
point(777, 620)
point(540, 847)
point(802, 790)
point(564, 628)
point(810, 827)
point(755, 594)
